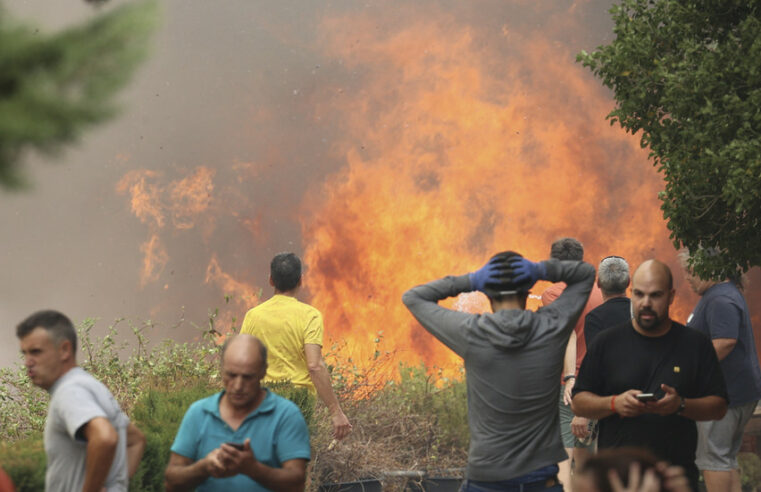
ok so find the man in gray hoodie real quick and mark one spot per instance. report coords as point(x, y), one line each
point(513, 360)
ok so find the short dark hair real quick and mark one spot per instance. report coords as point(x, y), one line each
point(567, 248)
point(505, 286)
point(613, 275)
point(58, 326)
point(285, 271)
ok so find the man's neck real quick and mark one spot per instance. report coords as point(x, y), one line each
point(64, 370)
point(289, 293)
point(663, 328)
point(607, 297)
point(511, 303)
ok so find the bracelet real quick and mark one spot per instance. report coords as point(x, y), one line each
point(613, 403)
point(570, 376)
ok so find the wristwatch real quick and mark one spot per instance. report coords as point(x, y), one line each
point(570, 376)
point(681, 407)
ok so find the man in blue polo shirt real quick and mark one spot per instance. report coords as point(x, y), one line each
point(243, 438)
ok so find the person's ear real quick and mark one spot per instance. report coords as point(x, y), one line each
point(65, 350)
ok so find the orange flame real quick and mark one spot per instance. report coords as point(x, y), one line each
point(155, 258)
point(244, 295)
point(458, 142)
point(461, 158)
point(144, 196)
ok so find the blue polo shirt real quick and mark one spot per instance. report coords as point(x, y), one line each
point(276, 428)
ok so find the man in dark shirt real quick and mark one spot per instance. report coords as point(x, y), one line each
point(612, 279)
point(723, 315)
point(651, 355)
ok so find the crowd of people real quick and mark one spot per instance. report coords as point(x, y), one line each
point(594, 391)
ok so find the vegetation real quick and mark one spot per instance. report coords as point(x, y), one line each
point(52, 87)
point(415, 422)
point(688, 76)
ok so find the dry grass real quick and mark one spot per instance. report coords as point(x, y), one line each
point(414, 424)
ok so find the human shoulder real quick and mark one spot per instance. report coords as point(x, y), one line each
point(77, 385)
point(552, 292)
point(723, 293)
point(616, 333)
point(689, 333)
point(205, 406)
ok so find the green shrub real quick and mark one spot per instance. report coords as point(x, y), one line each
point(298, 395)
point(158, 414)
point(750, 470)
point(24, 461)
point(416, 421)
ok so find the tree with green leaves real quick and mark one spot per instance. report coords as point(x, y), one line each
point(53, 87)
point(687, 75)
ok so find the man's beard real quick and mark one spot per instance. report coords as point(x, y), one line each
point(651, 324)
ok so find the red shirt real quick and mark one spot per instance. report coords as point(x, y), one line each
point(595, 299)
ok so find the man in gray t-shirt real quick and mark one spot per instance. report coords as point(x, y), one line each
point(513, 360)
point(90, 443)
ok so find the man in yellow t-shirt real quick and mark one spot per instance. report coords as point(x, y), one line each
point(292, 332)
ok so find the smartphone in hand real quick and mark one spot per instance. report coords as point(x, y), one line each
point(646, 397)
point(237, 445)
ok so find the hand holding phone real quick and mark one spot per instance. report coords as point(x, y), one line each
point(237, 445)
point(646, 397)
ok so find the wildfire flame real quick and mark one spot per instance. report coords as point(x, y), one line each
point(451, 157)
point(456, 143)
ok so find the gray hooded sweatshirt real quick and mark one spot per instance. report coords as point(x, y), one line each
point(513, 364)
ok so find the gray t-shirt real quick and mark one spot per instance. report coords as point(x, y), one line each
point(75, 399)
point(513, 361)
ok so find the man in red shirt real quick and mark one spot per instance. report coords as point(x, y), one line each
point(570, 249)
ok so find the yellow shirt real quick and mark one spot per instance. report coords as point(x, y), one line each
point(285, 325)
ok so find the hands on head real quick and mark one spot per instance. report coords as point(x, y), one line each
point(505, 270)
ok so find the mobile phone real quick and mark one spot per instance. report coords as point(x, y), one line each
point(236, 445)
point(646, 397)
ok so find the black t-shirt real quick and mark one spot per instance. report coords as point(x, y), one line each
point(611, 313)
point(621, 359)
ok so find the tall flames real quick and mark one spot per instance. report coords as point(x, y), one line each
point(456, 143)
point(455, 153)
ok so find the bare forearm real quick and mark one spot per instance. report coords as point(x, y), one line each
point(134, 455)
point(706, 408)
point(322, 383)
point(100, 456)
point(185, 477)
point(287, 479)
point(569, 361)
point(135, 448)
point(591, 406)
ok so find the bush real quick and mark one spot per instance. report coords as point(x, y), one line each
point(298, 395)
point(750, 470)
point(24, 461)
point(417, 421)
point(158, 414)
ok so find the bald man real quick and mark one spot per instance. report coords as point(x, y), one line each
point(243, 438)
point(649, 380)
